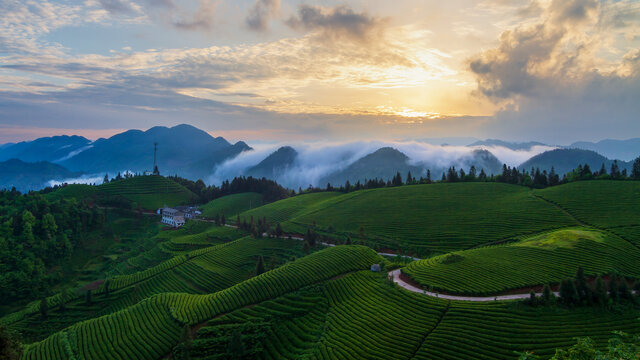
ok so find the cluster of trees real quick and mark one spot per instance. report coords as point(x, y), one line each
point(270, 190)
point(35, 235)
point(622, 346)
point(578, 292)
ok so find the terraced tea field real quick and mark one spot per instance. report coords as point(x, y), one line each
point(603, 204)
point(149, 192)
point(149, 329)
point(232, 205)
point(202, 271)
point(541, 259)
point(422, 219)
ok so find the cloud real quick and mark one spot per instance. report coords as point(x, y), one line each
point(337, 22)
point(116, 6)
point(261, 13)
point(200, 20)
point(315, 161)
point(570, 71)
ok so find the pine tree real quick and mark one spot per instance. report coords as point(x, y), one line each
point(428, 176)
point(223, 220)
point(106, 179)
point(582, 287)
point(635, 169)
point(547, 295)
point(599, 292)
point(568, 293)
point(613, 287)
point(533, 300)
point(279, 230)
point(260, 266)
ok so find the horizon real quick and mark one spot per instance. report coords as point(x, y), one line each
point(277, 71)
point(94, 135)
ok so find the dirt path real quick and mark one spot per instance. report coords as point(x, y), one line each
point(396, 279)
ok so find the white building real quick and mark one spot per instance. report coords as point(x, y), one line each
point(172, 217)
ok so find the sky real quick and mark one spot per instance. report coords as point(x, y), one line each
point(555, 71)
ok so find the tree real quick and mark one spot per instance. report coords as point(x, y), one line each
point(533, 299)
point(547, 295)
point(236, 349)
point(410, 178)
point(223, 220)
point(106, 288)
point(428, 176)
point(600, 292)
point(635, 169)
point(624, 291)
point(568, 293)
point(44, 307)
point(260, 266)
point(582, 287)
point(613, 287)
point(279, 230)
point(348, 241)
point(615, 170)
point(10, 347)
point(106, 179)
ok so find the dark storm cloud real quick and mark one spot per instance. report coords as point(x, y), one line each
point(338, 21)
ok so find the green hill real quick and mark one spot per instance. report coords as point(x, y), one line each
point(422, 219)
point(537, 260)
point(322, 307)
point(158, 318)
point(149, 192)
point(232, 205)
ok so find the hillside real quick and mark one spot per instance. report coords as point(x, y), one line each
point(421, 219)
point(25, 176)
point(280, 316)
point(565, 160)
point(149, 192)
point(232, 205)
point(533, 261)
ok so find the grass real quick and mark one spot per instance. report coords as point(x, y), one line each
point(422, 219)
point(232, 205)
point(541, 259)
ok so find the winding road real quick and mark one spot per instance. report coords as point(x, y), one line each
point(405, 285)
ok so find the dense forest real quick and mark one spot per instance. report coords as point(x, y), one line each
point(35, 235)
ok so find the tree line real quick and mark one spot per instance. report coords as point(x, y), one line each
point(37, 234)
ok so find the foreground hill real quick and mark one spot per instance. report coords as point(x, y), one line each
point(421, 219)
point(148, 192)
point(533, 261)
point(25, 176)
point(327, 306)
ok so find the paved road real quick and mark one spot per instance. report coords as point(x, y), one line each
point(407, 286)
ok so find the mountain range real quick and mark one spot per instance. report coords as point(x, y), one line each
point(192, 153)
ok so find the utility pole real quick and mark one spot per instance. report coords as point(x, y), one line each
point(155, 164)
